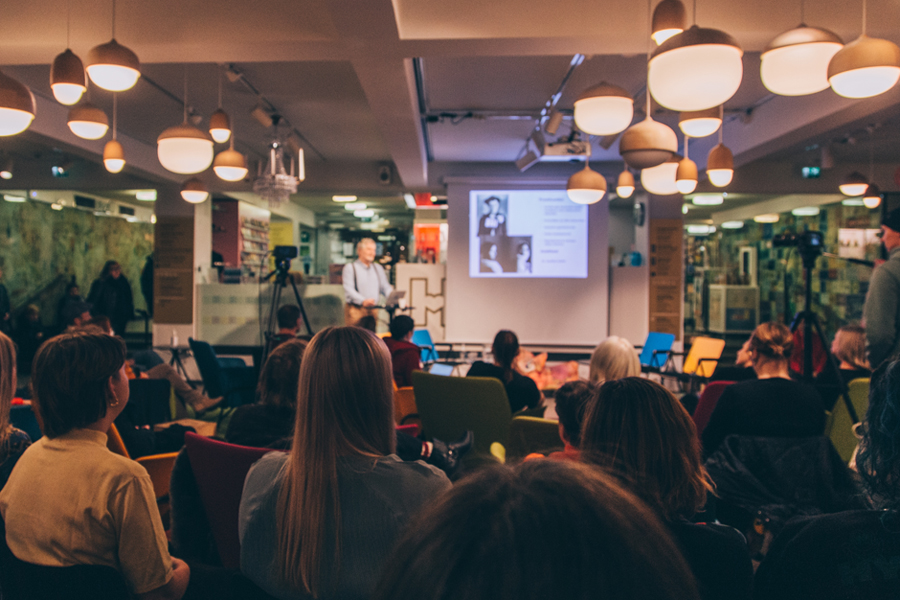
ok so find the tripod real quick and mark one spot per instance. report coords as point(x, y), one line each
point(282, 277)
point(809, 253)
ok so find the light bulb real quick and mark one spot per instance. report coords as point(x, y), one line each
point(67, 93)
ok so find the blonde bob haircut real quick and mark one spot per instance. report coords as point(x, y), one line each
point(613, 359)
point(345, 407)
point(7, 385)
point(850, 346)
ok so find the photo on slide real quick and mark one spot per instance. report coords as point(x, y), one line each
point(533, 233)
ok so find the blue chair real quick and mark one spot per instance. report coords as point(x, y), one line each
point(228, 377)
point(422, 339)
point(655, 351)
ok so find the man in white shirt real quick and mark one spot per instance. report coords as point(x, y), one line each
point(364, 281)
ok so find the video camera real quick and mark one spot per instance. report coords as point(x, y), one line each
point(809, 244)
point(283, 256)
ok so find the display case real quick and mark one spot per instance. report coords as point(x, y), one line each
point(733, 308)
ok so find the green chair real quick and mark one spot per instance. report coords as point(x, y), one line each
point(841, 431)
point(448, 406)
point(531, 434)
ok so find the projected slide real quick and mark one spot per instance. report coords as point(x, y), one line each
point(527, 234)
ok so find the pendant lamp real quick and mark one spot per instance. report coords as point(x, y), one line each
point(230, 164)
point(872, 197)
point(700, 123)
point(194, 191)
point(219, 123)
point(865, 67)
point(720, 162)
point(695, 70)
point(686, 173)
point(625, 185)
point(113, 153)
point(604, 109)
point(67, 79)
point(854, 184)
point(87, 121)
point(586, 186)
point(16, 106)
point(669, 18)
point(112, 66)
point(660, 180)
point(795, 63)
point(184, 148)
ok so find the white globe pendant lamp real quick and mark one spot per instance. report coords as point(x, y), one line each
point(113, 153)
point(112, 66)
point(660, 180)
point(669, 18)
point(87, 121)
point(795, 63)
point(67, 79)
point(230, 164)
point(604, 109)
point(185, 149)
point(625, 184)
point(872, 197)
point(700, 123)
point(686, 174)
point(720, 162)
point(865, 67)
point(586, 186)
point(648, 143)
point(695, 70)
point(194, 191)
point(16, 106)
point(854, 184)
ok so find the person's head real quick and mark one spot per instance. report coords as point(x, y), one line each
point(72, 289)
point(368, 323)
point(505, 349)
point(76, 313)
point(402, 327)
point(365, 250)
point(77, 378)
point(289, 317)
point(524, 250)
point(278, 380)
point(542, 529)
point(493, 205)
point(489, 251)
point(111, 269)
point(771, 345)
point(345, 406)
point(102, 322)
point(7, 384)
point(744, 359)
point(890, 230)
point(614, 358)
point(571, 401)
point(849, 346)
point(878, 458)
point(642, 433)
point(32, 313)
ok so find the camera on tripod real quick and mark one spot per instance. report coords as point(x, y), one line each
point(809, 244)
point(283, 256)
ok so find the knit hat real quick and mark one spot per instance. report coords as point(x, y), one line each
point(892, 220)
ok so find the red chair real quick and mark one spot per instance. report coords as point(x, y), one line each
point(707, 403)
point(220, 470)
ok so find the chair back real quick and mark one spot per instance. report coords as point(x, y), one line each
point(214, 382)
point(656, 349)
point(704, 356)
point(707, 403)
point(405, 406)
point(220, 470)
point(448, 406)
point(841, 425)
point(159, 467)
point(532, 434)
point(20, 580)
point(148, 401)
point(115, 443)
point(22, 417)
point(422, 338)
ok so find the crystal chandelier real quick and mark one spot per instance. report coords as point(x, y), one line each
point(276, 184)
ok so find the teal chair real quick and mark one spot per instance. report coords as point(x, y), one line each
point(839, 427)
point(448, 406)
point(532, 434)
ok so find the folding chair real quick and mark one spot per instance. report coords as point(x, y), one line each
point(655, 351)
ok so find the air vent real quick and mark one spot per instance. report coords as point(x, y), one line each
point(85, 202)
point(126, 210)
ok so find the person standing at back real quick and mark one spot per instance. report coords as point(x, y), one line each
point(364, 280)
point(111, 297)
point(882, 309)
point(521, 391)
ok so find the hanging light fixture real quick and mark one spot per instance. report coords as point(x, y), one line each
point(625, 185)
point(219, 123)
point(700, 123)
point(795, 63)
point(686, 173)
point(604, 109)
point(16, 106)
point(586, 186)
point(194, 191)
point(112, 66)
point(7, 171)
point(113, 153)
point(67, 78)
point(854, 184)
point(660, 180)
point(720, 162)
point(872, 197)
point(230, 164)
point(87, 121)
point(865, 67)
point(767, 218)
point(184, 148)
point(669, 18)
point(696, 69)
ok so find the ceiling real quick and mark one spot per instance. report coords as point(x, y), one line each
point(429, 89)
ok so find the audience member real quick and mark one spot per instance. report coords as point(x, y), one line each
point(111, 296)
point(851, 554)
point(71, 295)
point(70, 500)
point(13, 442)
point(76, 314)
point(640, 432)
point(521, 391)
point(29, 336)
point(368, 322)
point(404, 354)
point(541, 530)
point(288, 317)
point(773, 405)
point(849, 349)
point(614, 358)
point(321, 520)
point(5, 308)
point(571, 403)
point(742, 370)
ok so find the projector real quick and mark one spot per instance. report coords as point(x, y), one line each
point(566, 151)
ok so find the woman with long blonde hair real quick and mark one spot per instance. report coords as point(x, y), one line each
point(320, 521)
point(13, 442)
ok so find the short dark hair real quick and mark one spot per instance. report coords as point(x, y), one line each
point(368, 323)
point(287, 316)
point(401, 325)
point(878, 459)
point(278, 380)
point(101, 321)
point(71, 373)
point(542, 529)
point(571, 403)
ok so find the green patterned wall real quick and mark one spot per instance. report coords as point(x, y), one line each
point(40, 246)
point(839, 288)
